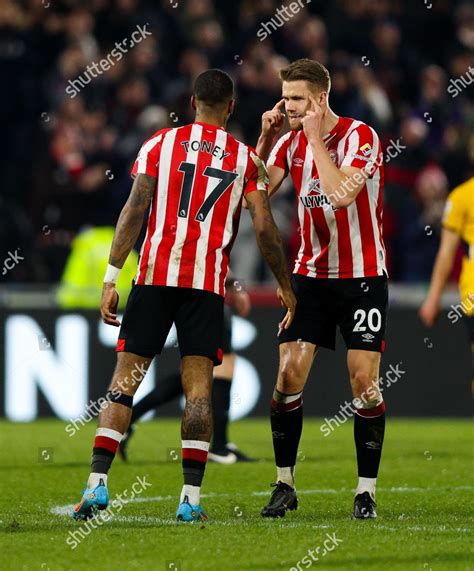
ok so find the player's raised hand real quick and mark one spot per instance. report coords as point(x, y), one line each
point(288, 300)
point(109, 304)
point(272, 121)
point(313, 119)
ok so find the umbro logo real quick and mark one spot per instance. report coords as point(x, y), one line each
point(368, 337)
point(298, 162)
point(373, 445)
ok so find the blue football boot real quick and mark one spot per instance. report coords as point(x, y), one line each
point(93, 499)
point(187, 512)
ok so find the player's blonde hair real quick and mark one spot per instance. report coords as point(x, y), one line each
point(307, 70)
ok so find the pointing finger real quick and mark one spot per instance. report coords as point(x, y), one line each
point(314, 105)
point(276, 108)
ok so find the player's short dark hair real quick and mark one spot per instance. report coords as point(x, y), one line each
point(214, 87)
point(307, 70)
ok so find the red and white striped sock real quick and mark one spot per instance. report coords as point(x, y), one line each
point(194, 458)
point(106, 444)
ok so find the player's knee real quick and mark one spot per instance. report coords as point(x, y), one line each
point(291, 378)
point(364, 384)
point(361, 377)
point(129, 373)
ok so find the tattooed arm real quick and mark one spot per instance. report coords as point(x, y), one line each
point(130, 221)
point(128, 229)
point(270, 243)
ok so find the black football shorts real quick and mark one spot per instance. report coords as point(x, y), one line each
point(151, 310)
point(357, 305)
point(227, 331)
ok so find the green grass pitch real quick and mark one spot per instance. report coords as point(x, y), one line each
point(424, 502)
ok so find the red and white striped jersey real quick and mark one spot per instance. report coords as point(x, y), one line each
point(202, 174)
point(345, 242)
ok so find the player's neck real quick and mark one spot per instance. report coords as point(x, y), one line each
point(210, 120)
point(329, 122)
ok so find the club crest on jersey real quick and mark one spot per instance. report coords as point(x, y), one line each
point(315, 198)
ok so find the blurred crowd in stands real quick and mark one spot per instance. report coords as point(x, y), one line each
point(65, 160)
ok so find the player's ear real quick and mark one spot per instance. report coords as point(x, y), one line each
point(231, 107)
point(322, 98)
point(193, 102)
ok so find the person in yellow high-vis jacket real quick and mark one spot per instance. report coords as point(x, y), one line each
point(458, 227)
point(83, 277)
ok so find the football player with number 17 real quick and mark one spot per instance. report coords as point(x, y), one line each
point(194, 179)
point(339, 277)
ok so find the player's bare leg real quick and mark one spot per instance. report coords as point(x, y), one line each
point(196, 431)
point(369, 426)
point(115, 417)
point(113, 423)
point(129, 372)
point(196, 375)
point(296, 358)
point(226, 369)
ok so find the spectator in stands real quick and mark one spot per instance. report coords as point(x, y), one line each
point(420, 233)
